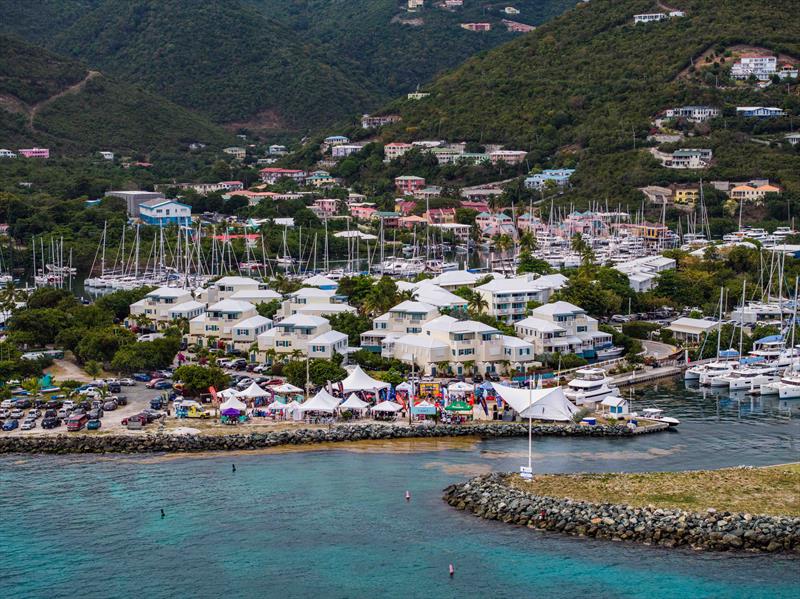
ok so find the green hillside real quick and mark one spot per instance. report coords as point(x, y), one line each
point(268, 64)
point(56, 102)
point(583, 88)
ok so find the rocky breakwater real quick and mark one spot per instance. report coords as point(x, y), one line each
point(492, 498)
point(162, 442)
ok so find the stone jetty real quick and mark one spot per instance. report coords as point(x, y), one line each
point(169, 443)
point(492, 498)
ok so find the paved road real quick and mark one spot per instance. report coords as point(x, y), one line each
point(658, 350)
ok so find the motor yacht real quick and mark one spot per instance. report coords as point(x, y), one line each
point(658, 416)
point(590, 386)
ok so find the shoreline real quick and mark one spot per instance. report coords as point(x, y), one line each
point(498, 497)
point(171, 443)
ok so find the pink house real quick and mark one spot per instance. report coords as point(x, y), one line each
point(404, 207)
point(362, 211)
point(477, 26)
point(326, 205)
point(35, 152)
point(507, 156)
point(409, 183)
point(441, 215)
point(480, 206)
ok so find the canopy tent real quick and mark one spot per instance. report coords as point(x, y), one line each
point(321, 402)
point(459, 406)
point(253, 392)
point(361, 381)
point(387, 406)
point(460, 387)
point(287, 388)
point(424, 404)
point(276, 405)
point(541, 404)
point(404, 386)
point(226, 393)
point(231, 412)
point(354, 403)
point(293, 405)
point(233, 403)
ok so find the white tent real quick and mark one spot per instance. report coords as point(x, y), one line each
point(287, 388)
point(233, 404)
point(253, 391)
point(361, 381)
point(404, 386)
point(460, 387)
point(226, 393)
point(276, 405)
point(321, 402)
point(540, 404)
point(424, 404)
point(354, 403)
point(387, 406)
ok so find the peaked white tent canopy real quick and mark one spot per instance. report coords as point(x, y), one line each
point(361, 381)
point(541, 404)
point(233, 403)
point(354, 403)
point(460, 387)
point(424, 404)
point(276, 405)
point(387, 406)
point(253, 391)
point(321, 402)
point(226, 393)
point(287, 388)
point(404, 386)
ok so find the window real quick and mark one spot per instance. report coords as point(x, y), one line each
point(581, 329)
point(283, 343)
point(212, 327)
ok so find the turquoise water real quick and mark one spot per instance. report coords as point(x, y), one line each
point(334, 523)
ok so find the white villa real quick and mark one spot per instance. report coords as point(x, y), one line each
point(311, 336)
point(643, 272)
point(160, 304)
point(564, 328)
point(508, 298)
point(226, 287)
point(461, 344)
point(216, 327)
point(405, 318)
point(315, 302)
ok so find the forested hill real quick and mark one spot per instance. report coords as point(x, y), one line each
point(59, 103)
point(593, 78)
point(269, 64)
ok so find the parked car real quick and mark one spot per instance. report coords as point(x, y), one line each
point(28, 425)
point(16, 414)
point(23, 403)
point(5, 414)
point(92, 425)
point(127, 382)
point(76, 422)
point(51, 422)
point(53, 404)
point(95, 414)
point(156, 403)
point(33, 414)
point(68, 404)
point(63, 413)
point(141, 418)
point(239, 364)
point(122, 400)
point(152, 383)
point(114, 387)
point(493, 377)
point(110, 406)
point(163, 384)
point(10, 425)
point(477, 379)
point(6, 403)
point(141, 376)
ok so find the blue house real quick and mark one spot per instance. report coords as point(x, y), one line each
point(760, 112)
point(558, 176)
point(163, 212)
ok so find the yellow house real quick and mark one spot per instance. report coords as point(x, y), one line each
point(688, 195)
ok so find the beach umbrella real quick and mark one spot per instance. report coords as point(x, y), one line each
point(459, 406)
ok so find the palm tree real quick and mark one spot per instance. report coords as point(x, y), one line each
point(528, 242)
point(477, 303)
point(504, 242)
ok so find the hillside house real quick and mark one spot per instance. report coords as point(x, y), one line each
point(508, 156)
point(7, 154)
point(409, 183)
point(440, 215)
point(694, 114)
point(394, 150)
point(760, 112)
point(371, 122)
point(753, 193)
point(272, 175)
point(477, 26)
point(559, 177)
point(235, 151)
point(517, 27)
point(165, 212)
point(344, 150)
point(652, 17)
point(277, 150)
point(363, 210)
point(760, 66)
point(564, 328)
point(34, 152)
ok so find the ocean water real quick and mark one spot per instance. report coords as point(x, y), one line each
point(334, 522)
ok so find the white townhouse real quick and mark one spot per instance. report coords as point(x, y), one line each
point(432, 294)
point(304, 334)
point(566, 329)
point(453, 279)
point(226, 287)
point(246, 332)
point(315, 302)
point(405, 318)
point(463, 345)
point(508, 298)
point(643, 272)
point(215, 328)
point(157, 304)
